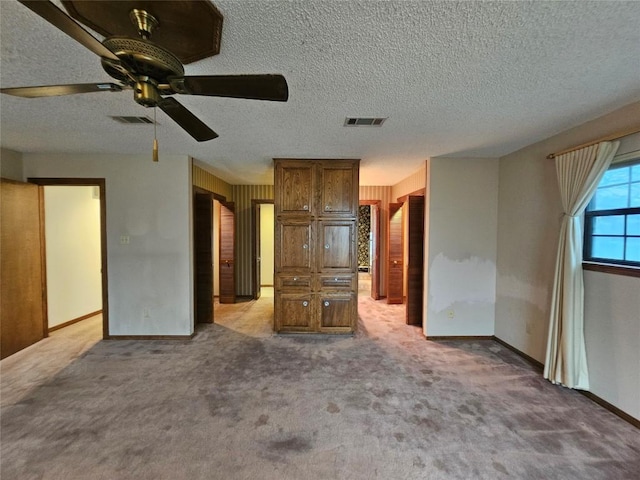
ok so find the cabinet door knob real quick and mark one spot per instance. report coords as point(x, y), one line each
point(305, 303)
point(295, 279)
point(305, 207)
point(326, 246)
point(305, 246)
point(327, 207)
point(326, 304)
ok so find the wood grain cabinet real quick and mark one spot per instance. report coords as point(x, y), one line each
point(316, 268)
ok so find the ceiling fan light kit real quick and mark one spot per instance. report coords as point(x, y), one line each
point(152, 69)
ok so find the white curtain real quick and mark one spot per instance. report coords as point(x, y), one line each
point(579, 173)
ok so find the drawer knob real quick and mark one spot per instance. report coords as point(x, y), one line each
point(326, 246)
point(295, 279)
point(305, 303)
point(326, 304)
point(335, 279)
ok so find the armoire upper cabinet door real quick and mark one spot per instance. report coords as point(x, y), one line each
point(339, 189)
point(296, 188)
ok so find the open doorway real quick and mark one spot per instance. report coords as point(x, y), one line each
point(262, 248)
point(75, 250)
point(369, 248)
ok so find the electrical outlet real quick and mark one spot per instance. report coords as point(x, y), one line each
point(451, 314)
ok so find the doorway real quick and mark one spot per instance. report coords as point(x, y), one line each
point(262, 245)
point(369, 247)
point(75, 250)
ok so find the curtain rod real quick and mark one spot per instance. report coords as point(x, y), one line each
point(613, 136)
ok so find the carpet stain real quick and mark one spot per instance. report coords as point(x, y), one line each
point(417, 462)
point(465, 410)
point(293, 444)
point(399, 436)
point(262, 420)
point(499, 467)
point(440, 465)
point(333, 408)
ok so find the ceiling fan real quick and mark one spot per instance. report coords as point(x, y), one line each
point(149, 68)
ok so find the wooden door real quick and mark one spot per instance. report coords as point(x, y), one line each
point(296, 312)
point(415, 267)
point(227, 253)
point(294, 247)
point(375, 251)
point(395, 255)
point(337, 311)
point(22, 277)
point(203, 256)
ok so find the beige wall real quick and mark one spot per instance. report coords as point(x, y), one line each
point(461, 226)
point(529, 216)
point(267, 238)
point(11, 165)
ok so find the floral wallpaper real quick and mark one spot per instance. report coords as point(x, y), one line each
point(364, 228)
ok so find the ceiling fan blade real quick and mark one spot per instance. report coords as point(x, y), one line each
point(187, 120)
point(256, 87)
point(61, 20)
point(57, 90)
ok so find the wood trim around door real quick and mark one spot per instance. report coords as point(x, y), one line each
point(376, 205)
point(255, 243)
point(101, 184)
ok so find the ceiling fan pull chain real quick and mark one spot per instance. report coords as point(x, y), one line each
point(155, 139)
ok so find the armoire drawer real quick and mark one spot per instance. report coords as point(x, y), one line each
point(293, 282)
point(336, 282)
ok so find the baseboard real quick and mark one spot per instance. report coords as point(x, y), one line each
point(591, 396)
point(75, 320)
point(459, 337)
point(531, 360)
point(150, 337)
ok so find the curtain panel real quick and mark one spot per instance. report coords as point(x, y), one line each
point(579, 173)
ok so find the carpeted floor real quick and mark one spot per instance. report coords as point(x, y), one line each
point(239, 403)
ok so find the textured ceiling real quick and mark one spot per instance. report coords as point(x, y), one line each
point(475, 79)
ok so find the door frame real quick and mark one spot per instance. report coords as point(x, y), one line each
point(86, 182)
point(375, 262)
point(255, 244)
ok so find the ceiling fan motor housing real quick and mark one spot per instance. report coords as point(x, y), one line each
point(142, 58)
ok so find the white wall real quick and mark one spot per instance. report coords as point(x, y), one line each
point(461, 228)
point(72, 235)
point(11, 164)
point(529, 216)
point(151, 203)
point(267, 226)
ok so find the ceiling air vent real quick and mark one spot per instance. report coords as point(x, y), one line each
point(364, 121)
point(133, 120)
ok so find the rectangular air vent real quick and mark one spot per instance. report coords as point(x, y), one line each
point(133, 120)
point(364, 121)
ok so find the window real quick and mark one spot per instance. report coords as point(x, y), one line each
point(612, 218)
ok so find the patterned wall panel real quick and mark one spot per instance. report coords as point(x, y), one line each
point(242, 196)
point(412, 183)
point(203, 179)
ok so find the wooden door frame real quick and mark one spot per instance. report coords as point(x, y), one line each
point(255, 243)
point(375, 274)
point(85, 182)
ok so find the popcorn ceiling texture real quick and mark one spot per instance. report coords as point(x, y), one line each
point(473, 79)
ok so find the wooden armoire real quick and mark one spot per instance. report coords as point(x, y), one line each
point(316, 265)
